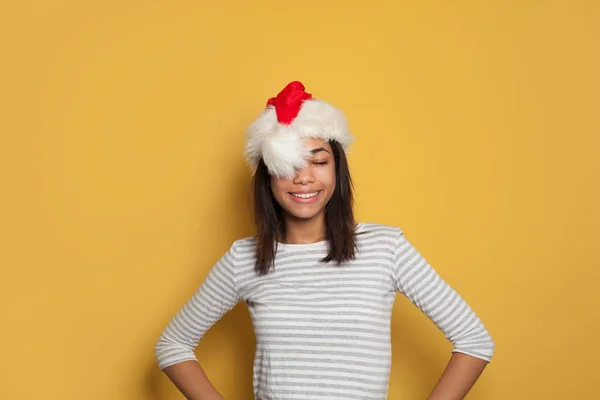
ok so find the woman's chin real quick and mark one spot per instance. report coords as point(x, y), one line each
point(304, 212)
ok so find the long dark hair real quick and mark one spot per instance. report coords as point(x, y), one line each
point(339, 215)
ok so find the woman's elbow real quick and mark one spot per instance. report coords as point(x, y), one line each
point(168, 352)
point(481, 346)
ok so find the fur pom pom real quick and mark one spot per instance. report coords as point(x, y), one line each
point(278, 145)
point(284, 152)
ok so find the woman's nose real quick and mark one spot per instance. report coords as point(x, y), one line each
point(303, 176)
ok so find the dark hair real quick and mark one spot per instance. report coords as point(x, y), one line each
point(339, 215)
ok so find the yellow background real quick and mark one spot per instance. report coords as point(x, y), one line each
point(123, 179)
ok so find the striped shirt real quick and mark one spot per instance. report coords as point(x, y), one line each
point(323, 330)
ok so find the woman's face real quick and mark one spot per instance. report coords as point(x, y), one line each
point(306, 195)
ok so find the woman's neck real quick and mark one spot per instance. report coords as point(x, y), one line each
point(305, 231)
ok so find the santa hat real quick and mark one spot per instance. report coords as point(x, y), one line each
point(277, 134)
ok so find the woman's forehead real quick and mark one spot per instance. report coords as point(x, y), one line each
point(315, 143)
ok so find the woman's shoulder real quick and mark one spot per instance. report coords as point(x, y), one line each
point(378, 228)
point(244, 243)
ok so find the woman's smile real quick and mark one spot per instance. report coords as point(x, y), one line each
point(305, 197)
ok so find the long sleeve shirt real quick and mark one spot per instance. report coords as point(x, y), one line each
point(323, 330)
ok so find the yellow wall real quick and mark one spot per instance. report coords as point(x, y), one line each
point(123, 179)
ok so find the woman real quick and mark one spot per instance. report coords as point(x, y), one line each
point(319, 286)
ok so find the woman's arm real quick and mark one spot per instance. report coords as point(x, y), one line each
point(458, 378)
point(473, 346)
point(175, 347)
point(192, 382)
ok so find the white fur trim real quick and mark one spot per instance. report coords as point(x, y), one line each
point(281, 146)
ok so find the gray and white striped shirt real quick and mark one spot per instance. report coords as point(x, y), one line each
point(322, 330)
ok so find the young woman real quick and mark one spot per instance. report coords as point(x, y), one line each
point(319, 286)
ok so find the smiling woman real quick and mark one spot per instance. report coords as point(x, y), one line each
point(319, 285)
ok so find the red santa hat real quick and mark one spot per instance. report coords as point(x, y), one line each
point(277, 134)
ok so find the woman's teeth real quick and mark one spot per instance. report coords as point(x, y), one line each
point(305, 195)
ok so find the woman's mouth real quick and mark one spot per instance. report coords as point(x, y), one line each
point(305, 197)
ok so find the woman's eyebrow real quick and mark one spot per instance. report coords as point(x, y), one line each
point(318, 149)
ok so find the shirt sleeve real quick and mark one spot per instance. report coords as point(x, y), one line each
point(216, 296)
point(423, 286)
